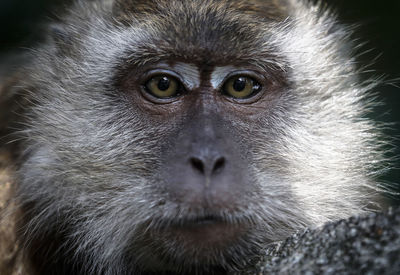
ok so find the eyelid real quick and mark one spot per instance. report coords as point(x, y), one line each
point(157, 72)
point(257, 77)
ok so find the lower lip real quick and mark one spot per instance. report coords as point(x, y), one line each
point(208, 232)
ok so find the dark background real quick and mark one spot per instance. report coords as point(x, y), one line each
point(378, 24)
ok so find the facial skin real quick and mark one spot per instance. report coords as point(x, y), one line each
point(205, 161)
point(169, 137)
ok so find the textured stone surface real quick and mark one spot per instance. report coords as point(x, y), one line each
point(359, 245)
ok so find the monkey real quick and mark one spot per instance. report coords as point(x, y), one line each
point(181, 136)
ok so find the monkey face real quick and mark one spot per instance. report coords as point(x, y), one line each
point(205, 173)
point(179, 136)
point(197, 105)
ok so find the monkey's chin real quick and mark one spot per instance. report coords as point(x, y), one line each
point(200, 246)
point(205, 238)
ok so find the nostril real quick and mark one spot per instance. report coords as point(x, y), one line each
point(197, 164)
point(219, 165)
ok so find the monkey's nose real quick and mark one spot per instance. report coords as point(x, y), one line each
point(207, 166)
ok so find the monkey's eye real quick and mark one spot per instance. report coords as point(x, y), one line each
point(163, 86)
point(241, 87)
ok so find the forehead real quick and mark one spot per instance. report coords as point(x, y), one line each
point(202, 32)
point(271, 9)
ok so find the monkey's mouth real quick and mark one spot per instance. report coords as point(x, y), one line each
point(209, 229)
point(202, 221)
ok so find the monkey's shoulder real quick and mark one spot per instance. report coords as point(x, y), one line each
point(12, 261)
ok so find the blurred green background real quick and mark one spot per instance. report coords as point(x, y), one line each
point(378, 21)
point(379, 25)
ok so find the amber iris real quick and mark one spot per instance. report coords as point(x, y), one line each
point(241, 87)
point(162, 86)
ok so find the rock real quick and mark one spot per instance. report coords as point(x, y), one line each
point(358, 245)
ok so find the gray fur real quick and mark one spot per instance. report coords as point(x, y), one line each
point(88, 158)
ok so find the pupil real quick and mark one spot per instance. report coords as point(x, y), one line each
point(163, 84)
point(239, 84)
